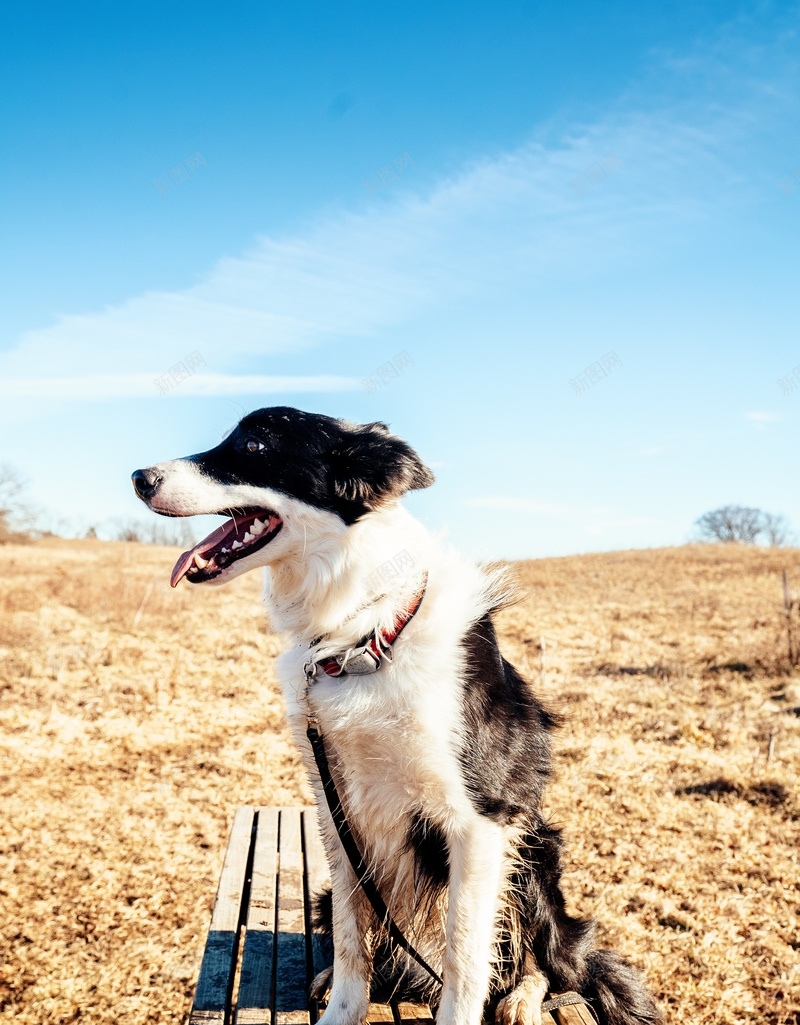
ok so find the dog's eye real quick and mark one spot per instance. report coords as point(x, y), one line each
point(254, 445)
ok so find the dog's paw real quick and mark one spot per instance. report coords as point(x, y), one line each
point(321, 985)
point(348, 1003)
point(343, 1015)
point(523, 1005)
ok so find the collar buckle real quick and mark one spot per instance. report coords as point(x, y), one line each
point(359, 661)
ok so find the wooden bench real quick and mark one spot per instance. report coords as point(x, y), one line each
point(261, 953)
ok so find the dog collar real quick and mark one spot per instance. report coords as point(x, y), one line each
point(366, 657)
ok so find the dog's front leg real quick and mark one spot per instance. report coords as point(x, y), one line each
point(352, 960)
point(477, 874)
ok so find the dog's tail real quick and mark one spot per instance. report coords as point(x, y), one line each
point(564, 946)
point(616, 991)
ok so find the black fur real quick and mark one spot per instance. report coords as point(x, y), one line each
point(616, 991)
point(507, 759)
point(431, 857)
point(344, 468)
point(506, 765)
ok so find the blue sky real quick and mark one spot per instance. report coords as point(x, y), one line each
point(554, 246)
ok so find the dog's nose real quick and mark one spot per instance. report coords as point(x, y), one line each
point(146, 482)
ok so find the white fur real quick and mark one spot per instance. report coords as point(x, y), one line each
point(393, 738)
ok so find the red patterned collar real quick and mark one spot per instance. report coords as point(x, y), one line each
point(368, 654)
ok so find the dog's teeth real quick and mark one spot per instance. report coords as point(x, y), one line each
point(201, 562)
point(226, 551)
point(257, 527)
point(236, 544)
point(248, 537)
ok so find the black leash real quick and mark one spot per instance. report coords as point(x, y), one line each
point(360, 867)
point(564, 1000)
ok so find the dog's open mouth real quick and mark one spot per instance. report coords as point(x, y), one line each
point(235, 539)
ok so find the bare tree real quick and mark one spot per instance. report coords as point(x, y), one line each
point(15, 513)
point(777, 530)
point(745, 525)
point(730, 523)
point(12, 488)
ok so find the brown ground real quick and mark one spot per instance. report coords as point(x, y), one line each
point(135, 719)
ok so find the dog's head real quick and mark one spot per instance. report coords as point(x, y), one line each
point(276, 471)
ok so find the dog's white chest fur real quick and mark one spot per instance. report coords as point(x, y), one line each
point(393, 740)
point(394, 736)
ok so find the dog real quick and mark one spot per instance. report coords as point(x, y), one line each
point(439, 749)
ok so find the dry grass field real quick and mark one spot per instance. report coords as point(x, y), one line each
point(135, 719)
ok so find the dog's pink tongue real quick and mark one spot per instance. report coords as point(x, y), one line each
point(181, 567)
point(216, 537)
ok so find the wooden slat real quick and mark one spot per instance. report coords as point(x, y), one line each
point(318, 876)
point(378, 1013)
point(409, 1014)
point(291, 992)
point(285, 861)
point(257, 978)
point(215, 983)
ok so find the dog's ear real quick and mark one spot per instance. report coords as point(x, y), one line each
point(371, 466)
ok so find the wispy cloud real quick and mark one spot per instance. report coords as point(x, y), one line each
point(760, 420)
point(516, 217)
point(111, 386)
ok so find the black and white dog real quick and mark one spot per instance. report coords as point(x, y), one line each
point(440, 750)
